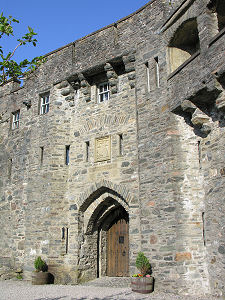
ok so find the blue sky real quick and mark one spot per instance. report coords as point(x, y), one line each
point(61, 22)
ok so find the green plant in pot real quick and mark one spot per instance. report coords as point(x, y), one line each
point(40, 275)
point(142, 282)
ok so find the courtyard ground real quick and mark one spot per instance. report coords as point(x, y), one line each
point(95, 290)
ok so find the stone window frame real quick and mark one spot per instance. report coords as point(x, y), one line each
point(43, 104)
point(102, 94)
point(15, 120)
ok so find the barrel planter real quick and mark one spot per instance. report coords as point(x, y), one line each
point(143, 285)
point(39, 278)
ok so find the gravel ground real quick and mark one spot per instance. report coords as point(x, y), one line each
point(23, 290)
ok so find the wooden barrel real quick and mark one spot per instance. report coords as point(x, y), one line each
point(39, 278)
point(143, 285)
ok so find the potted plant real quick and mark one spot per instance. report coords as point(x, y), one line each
point(41, 274)
point(142, 282)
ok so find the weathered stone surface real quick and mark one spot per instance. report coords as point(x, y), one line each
point(154, 151)
point(183, 256)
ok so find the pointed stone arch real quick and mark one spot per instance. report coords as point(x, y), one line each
point(99, 188)
point(103, 204)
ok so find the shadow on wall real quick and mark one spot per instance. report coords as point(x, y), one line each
point(183, 44)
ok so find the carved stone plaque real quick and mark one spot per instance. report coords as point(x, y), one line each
point(103, 148)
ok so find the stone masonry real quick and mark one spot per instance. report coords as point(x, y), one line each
point(135, 125)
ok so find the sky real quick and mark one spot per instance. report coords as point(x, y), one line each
point(60, 22)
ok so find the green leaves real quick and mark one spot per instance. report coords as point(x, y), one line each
point(8, 67)
point(5, 25)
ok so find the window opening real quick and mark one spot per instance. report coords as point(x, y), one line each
point(67, 161)
point(15, 119)
point(63, 233)
point(157, 71)
point(121, 144)
point(199, 153)
point(87, 150)
point(103, 92)
point(203, 228)
point(42, 155)
point(67, 239)
point(148, 77)
point(44, 105)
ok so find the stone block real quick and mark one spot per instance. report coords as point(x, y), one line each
point(183, 256)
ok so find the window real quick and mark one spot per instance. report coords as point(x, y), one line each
point(44, 104)
point(157, 71)
point(120, 144)
point(87, 150)
point(103, 92)
point(67, 160)
point(15, 119)
point(42, 155)
point(148, 77)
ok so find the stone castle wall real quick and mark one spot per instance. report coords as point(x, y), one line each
point(156, 149)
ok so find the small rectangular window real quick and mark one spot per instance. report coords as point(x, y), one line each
point(44, 104)
point(147, 77)
point(15, 119)
point(87, 144)
point(42, 154)
point(157, 71)
point(120, 144)
point(67, 161)
point(103, 92)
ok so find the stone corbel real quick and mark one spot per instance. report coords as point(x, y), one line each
point(129, 62)
point(112, 78)
point(198, 118)
point(85, 87)
point(66, 91)
point(220, 78)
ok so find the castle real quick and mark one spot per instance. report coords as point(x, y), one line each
point(116, 145)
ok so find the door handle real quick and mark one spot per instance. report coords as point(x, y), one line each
point(124, 253)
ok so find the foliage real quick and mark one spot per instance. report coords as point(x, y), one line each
point(140, 275)
point(40, 265)
point(143, 265)
point(9, 68)
point(19, 276)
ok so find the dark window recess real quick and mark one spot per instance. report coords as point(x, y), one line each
point(63, 233)
point(42, 155)
point(67, 160)
point(67, 239)
point(120, 144)
point(199, 153)
point(121, 239)
point(203, 228)
point(87, 150)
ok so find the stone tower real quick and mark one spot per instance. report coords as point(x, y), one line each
point(116, 145)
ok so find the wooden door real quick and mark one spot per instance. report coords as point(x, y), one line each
point(118, 250)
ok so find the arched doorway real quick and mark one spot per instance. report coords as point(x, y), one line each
point(104, 236)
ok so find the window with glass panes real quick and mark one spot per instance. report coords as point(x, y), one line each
point(103, 92)
point(15, 119)
point(44, 105)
